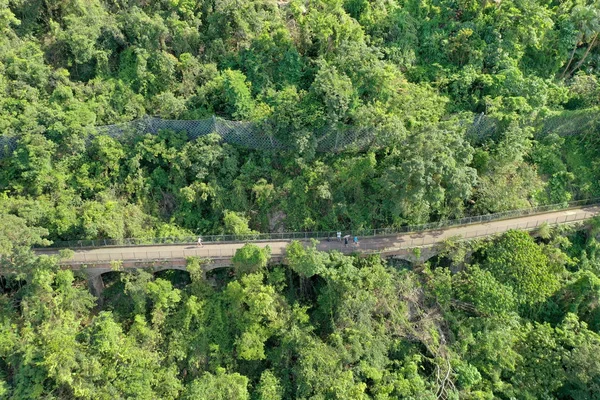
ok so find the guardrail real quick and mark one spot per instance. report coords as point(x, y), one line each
point(428, 241)
point(324, 234)
point(367, 247)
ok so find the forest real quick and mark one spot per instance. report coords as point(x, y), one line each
point(511, 317)
point(471, 107)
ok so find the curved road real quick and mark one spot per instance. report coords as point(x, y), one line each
point(390, 244)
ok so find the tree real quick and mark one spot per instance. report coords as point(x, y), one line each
point(336, 93)
point(250, 259)
point(480, 289)
point(580, 296)
point(558, 361)
point(103, 220)
point(32, 163)
point(164, 299)
point(585, 90)
point(305, 261)
point(330, 115)
point(508, 182)
point(539, 347)
point(236, 223)
point(82, 27)
point(16, 237)
point(238, 99)
point(580, 363)
point(7, 18)
point(429, 172)
point(221, 386)
point(255, 312)
point(516, 261)
point(318, 373)
point(586, 18)
point(269, 387)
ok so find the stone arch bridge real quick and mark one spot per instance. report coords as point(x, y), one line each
point(94, 262)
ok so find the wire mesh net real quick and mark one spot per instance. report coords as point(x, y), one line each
point(569, 123)
point(245, 134)
point(8, 145)
point(332, 139)
point(562, 123)
point(482, 128)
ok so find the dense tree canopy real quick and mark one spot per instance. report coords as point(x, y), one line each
point(326, 326)
point(470, 105)
point(457, 107)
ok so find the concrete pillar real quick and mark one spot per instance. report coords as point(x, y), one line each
point(96, 285)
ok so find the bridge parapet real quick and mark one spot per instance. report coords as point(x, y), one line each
point(102, 260)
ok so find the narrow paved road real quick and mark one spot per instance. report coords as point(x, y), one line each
point(104, 255)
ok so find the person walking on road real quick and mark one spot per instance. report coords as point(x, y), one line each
point(356, 241)
point(339, 236)
point(345, 242)
point(200, 241)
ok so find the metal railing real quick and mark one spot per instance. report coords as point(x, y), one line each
point(432, 239)
point(323, 234)
point(221, 255)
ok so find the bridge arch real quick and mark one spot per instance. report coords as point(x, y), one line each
point(179, 277)
point(414, 256)
point(440, 261)
point(10, 284)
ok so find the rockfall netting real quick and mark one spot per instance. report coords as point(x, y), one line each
point(569, 123)
point(245, 134)
point(241, 133)
point(562, 123)
point(258, 137)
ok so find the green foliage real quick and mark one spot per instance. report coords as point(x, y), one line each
point(236, 223)
point(430, 173)
point(479, 288)
point(506, 181)
point(305, 261)
point(467, 107)
point(238, 100)
point(269, 387)
point(222, 386)
point(580, 296)
point(250, 259)
point(353, 328)
point(539, 346)
point(516, 261)
point(256, 313)
point(298, 72)
point(544, 231)
point(585, 90)
point(16, 236)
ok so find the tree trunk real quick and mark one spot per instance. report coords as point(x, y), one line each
point(587, 51)
point(570, 59)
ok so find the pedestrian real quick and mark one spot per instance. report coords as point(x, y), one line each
point(345, 242)
point(200, 241)
point(356, 241)
point(339, 236)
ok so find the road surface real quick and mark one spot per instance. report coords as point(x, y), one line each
point(105, 255)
